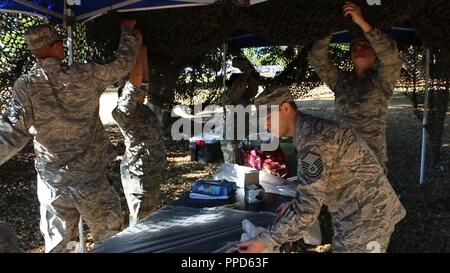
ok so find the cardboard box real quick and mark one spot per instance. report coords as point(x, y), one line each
point(251, 178)
point(254, 192)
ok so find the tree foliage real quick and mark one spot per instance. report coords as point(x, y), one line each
point(15, 58)
point(198, 78)
point(276, 55)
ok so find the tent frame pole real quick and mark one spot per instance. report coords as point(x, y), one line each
point(224, 66)
point(106, 9)
point(224, 83)
point(425, 118)
point(69, 37)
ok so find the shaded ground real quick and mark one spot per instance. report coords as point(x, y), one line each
point(425, 229)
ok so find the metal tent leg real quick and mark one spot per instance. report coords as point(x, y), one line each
point(425, 119)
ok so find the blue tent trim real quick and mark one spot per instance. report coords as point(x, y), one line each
point(89, 9)
point(244, 39)
point(55, 8)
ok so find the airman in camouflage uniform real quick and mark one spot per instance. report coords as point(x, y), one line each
point(58, 106)
point(362, 96)
point(145, 156)
point(336, 168)
point(242, 91)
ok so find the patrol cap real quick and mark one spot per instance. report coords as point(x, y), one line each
point(41, 35)
point(274, 95)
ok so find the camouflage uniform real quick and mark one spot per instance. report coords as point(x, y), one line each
point(362, 103)
point(58, 105)
point(145, 156)
point(241, 92)
point(336, 168)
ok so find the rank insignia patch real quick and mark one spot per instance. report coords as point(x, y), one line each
point(312, 165)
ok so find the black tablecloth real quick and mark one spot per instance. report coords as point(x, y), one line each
point(194, 226)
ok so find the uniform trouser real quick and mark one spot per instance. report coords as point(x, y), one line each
point(141, 191)
point(94, 200)
point(313, 234)
point(376, 244)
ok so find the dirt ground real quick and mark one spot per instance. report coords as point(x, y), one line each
point(425, 229)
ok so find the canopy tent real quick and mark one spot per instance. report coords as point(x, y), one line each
point(405, 32)
point(83, 11)
point(244, 39)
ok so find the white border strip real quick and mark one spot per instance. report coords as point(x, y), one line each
point(162, 7)
point(339, 32)
point(196, 1)
point(254, 2)
point(105, 9)
point(240, 36)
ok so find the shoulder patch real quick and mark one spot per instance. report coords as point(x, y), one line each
point(312, 165)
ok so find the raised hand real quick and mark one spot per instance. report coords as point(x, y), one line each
point(350, 9)
point(136, 74)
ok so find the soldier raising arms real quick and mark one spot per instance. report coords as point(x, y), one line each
point(362, 96)
point(58, 106)
point(145, 156)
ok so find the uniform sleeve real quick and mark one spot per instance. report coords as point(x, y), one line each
point(389, 58)
point(15, 123)
point(127, 103)
point(127, 53)
point(320, 62)
point(305, 208)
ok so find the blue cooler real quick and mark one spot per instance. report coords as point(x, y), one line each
point(213, 187)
